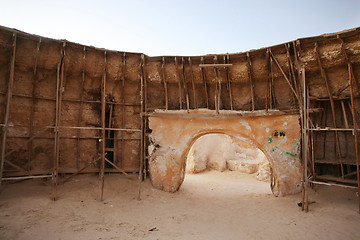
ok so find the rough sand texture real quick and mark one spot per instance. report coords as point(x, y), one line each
point(209, 205)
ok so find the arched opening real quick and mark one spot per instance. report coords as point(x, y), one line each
point(230, 161)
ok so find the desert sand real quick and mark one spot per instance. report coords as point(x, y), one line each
point(209, 205)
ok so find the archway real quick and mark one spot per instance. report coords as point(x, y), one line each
point(172, 137)
point(234, 158)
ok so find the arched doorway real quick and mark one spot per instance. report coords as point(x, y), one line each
point(224, 153)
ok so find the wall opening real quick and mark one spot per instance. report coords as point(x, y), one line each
point(224, 157)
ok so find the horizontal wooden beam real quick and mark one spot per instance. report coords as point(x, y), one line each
point(215, 65)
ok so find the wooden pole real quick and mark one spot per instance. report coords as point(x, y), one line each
point(192, 83)
point(323, 75)
point(292, 78)
point(268, 80)
point(59, 89)
point(103, 123)
point(185, 84)
point(283, 73)
point(32, 111)
point(145, 118)
point(80, 109)
point(203, 73)
point(142, 128)
point(218, 87)
point(123, 107)
point(228, 79)
point(178, 80)
point(8, 105)
point(165, 83)
point(250, 81)
point(351, 83)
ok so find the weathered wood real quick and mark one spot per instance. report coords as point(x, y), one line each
point(179, 82)
point(324, 77)
point(112, 164)
point(185, 84)
point(228, 80)
point(25, 177)
point(8, 105)
point(142, 150)
point(202, 65)
point(268, 94)
point(80, 108)
point(123, 108)
point(291, 73)
point(165, 83)
point(283, 73)
point(352, 79)
point(344, 114)
point(192, 83)
point(33, 102)
point(218, 87)
point(249, 67)
point(103, 124)
point(58, 104)
point(203, 73)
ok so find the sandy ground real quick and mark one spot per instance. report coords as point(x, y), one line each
point(210, 205)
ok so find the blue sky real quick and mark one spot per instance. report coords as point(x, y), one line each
point(197, 27)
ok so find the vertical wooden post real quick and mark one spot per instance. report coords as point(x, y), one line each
point(268, 79)
point(8, 104)
point(324, 77)
point(80, 109)
point(185, 84)
point(353, 79)
point(103, 125)
point(218, 87)
point(203, 73)
point(228, 80)
point(305, 143)
point(250, 81)
point(165, 83)
point(32, 111)
point(178, 80)
point(192, 83)
point(143, 110)
point(123, 107)
point(59, 91)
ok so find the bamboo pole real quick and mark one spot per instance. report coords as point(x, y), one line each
point(192, 83)
point(165, 83)
point(250, 80)
point(8, 105)
point(203, 73)
point(323, 75)
point(103, 123)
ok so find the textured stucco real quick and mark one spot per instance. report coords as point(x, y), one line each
point(277, 136)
